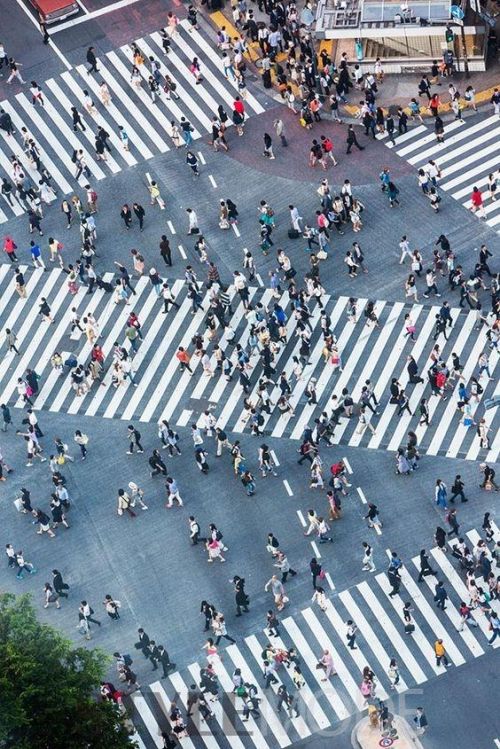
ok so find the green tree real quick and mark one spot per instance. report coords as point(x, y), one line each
point(48, 687)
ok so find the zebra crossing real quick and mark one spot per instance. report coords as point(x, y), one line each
point(147, 124)
point(161, 391)
point(321, 704)
point(469, 154)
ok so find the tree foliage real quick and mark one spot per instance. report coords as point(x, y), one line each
point(48, 687)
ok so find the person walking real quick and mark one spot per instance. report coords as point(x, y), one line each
point(351, 140)
point(134, 438)
point(440, 596)
point(59, 585)
point(440, 653)
point(351, 634)
point(277, 590)
point(92, 60)
point(111, 607)
point(368, 563)
point(425, 566)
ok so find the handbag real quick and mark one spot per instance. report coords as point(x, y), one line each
point(18, 504)
point(61, 460)
point(409, 628)
point(321, 255)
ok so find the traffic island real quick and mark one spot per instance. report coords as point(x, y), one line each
point(370, 734)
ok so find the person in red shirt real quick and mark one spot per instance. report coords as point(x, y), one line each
point(10, 248)
point(183, 357)
point(97, 353)
point(239, 106)
point(477, 202)
point(327, 146)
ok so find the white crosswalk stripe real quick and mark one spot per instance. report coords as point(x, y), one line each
point(470, 152)
point(147, 123)
point(323, 703)
point(161, 391)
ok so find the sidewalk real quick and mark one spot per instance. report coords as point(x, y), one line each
point(395, 91)
point(365, 736)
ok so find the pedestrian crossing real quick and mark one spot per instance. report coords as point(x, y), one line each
point(147, 123)
point(323, 703)
point(470, 152)
point(161, 391)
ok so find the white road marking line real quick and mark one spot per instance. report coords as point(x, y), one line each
point(182, 252)
point(311, 659)
point(451, 613)
point(274, 457)
point(147, 717)
point(49, 136)
point(449, 151)
point(347, 465)
point(133, 110)
point(358, 656)
point(265, 707)
point(369, 635)
point(214, 183)
point(301, 518)
point(315, 549)
point(171, 227)
point(329, 580)
point(99, 119)
point(287, 487)
point(325, 643)
point(236, 230)
point(259, 279)
point(429, 615)
point(323, 381)
point(153, 366)
point(201, 158)
point(361, 494)
point(61, 97)
point(118, 117)
point(397, 603)
point(210, 52)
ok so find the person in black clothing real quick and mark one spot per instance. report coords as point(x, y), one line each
point(77, 120)
point(103, 136)
point(439, 327)
point(153, 654)
point(395, 581)
point(315, 568)
point(156, 464)
point(242, 600)
point(126, 215)
point(351, 140)
point(143, 643)
point(164, 659)
point(412, 370)
point(124, 274)
point(165, 250)
point(92, 61)
point(425, 566)
point(58, 584)
point(140, 213)
point(402, 121)
point(6, 122)
point(457, 490)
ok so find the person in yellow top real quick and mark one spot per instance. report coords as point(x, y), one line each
point(440, 653)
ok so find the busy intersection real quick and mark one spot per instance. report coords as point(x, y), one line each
point(259, 452)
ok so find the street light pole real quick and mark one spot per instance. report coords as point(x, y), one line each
point(464, 6)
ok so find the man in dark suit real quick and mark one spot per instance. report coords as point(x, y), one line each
point(143, 643)
point(164, 659)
